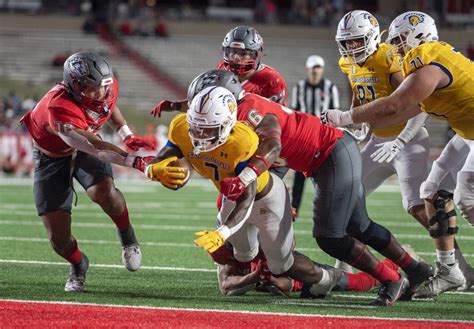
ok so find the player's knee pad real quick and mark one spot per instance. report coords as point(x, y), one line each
point(376, 236)
point(464, 198)
point(339, 248)
point(439, 222)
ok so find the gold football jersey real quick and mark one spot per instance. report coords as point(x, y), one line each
point(225, 161)
point(372, 80)
point(455, 102)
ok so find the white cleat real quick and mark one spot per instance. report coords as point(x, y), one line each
point(445, 279)
point(76, 280)
point(132, 257)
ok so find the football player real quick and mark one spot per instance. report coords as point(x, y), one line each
point(64, 126)
point(331, 158)
point(374, 70)
point(242, 54)
point(438, 75)
point(217, 146)
point(236, 278)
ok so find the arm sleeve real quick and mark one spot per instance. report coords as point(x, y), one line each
point(80, 142)
point(412, 127)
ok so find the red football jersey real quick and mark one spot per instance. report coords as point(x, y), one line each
point(305, 141)
point(58, 110)
point(266, 82)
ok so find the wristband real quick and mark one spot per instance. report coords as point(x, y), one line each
point(254, 168)
point(247, 176)
point(124, 132)
point(224, 231)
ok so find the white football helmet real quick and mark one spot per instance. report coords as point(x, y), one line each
point(358, 24)
point(211, 117)
point(411, 29)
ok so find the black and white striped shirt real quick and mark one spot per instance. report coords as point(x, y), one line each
point(315, 99)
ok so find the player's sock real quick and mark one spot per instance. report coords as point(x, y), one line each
point(407, 263)
point(446, 257)
point(122, 221)
point(73, 255)
point(360, 281)
point(384, 273)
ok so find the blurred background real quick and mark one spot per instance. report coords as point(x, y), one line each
point(156, 47)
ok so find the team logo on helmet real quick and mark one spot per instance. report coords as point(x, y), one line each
point(372, 20)
point(346, 19)
point(415, 19)
point(78, 66)
point(230, 103)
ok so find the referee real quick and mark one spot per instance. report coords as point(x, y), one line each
point(312, 95)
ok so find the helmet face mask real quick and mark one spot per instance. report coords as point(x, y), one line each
point(211, 118)
point(88, 78)
point(242, 49)
point(411, 29)
point(357, 25)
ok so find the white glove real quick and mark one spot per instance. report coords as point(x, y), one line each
point(337, 118)
point(387, 151)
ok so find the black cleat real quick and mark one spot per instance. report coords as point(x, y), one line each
point(390, 292)
point(422, 273)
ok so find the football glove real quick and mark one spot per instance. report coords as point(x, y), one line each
point(141, 162)
point(232, 187)
point(172, 177)
point(337, 118)
point(165, 106)
point(387, 151)
point(262, 270)
point(209, 240)
point(136, 142)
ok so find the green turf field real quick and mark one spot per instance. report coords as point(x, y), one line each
point(175, 273)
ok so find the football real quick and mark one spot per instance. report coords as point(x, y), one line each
point(182, 163)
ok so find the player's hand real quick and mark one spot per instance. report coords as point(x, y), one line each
point(232, 187)
point(164, 106)
point(209, 240)
point(387, 151)
point(337, 118)
point(172, 177)
point(136, 142)
point(262, 270)
point(140, 163)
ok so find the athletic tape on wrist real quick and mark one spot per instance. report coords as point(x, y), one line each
point(247, 176)
point(124, 132)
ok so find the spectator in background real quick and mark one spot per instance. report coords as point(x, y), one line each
point(312, 95)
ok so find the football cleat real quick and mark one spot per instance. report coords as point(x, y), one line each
point(76, 280)
point(131, 253)
point(446, 278)
point(322, 290)
point(132, 257)
point(421, 274)
point(469, 275)
point(390, 292)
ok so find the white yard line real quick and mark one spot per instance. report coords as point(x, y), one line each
point(197, 228)
point(170, 244)
point(156, 268)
